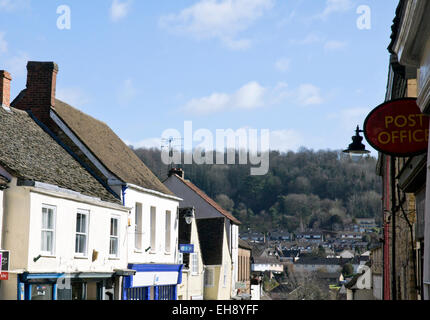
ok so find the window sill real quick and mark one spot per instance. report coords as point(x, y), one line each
point(114, 258)
point(138, 251)
point(81, 257)
point(47, 256)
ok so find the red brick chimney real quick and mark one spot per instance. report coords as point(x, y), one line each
point(5, 80)
point(39, 95)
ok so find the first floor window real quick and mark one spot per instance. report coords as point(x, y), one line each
point(48, 229)
point(209, 277)
point(114, 237)
point(194, 263)
point(81, 241)
point(153, 226)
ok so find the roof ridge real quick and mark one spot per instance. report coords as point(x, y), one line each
point(209, 200)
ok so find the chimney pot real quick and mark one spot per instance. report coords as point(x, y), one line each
point(177, 171)
point(5, 79)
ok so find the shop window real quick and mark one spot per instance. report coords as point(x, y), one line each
point(48, 229)
point(41, 292)
point(79, 291)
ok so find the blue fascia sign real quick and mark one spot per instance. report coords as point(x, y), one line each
point(186, 248)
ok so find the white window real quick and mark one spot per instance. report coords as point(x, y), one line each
point(48, 229)
point(194, 264)
point(168, 231)
point(81, 241)
point(153, 229)
point(224, 284)
point(114, 237)
point(138, 227)
point(209, 277)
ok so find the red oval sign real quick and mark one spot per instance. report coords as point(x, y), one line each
point(398, 128)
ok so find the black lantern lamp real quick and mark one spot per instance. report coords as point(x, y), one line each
point(189, 215)
point(357, 149)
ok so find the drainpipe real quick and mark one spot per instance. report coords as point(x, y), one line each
point(123, 190)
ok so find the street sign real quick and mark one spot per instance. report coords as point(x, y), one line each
point(398, 128)
point(186, 248)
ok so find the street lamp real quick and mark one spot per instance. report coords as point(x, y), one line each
point(189, 215)
point(356, 149)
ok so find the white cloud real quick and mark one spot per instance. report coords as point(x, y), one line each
point(145, 143)
point(249, 96)
point(253, 96)
point(334, 45)
point(335, 6)
point(350, 118)
point(285, 140)
point(17, 64)
point(3, 43)
point(308, 94)
point(120, 9)
point(220, 19)
point(73, 96)
point(13, 5)
point(283, 64)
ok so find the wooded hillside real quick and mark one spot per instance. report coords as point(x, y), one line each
point(322, 189)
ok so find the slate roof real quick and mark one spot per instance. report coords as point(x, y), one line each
point(109, 149)
point(208, 199)
point(31, 154)
point(211, 235)
point(323, 261)
point(244, 245)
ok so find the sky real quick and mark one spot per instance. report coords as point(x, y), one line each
point(309, 71)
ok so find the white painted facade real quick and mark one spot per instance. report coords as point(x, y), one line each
point(166, 248)
point(22, 233)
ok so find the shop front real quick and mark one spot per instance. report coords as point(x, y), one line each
point(152, 282)
point(74, 286)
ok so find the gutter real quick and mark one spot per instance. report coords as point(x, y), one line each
point(157, 193)
point(52, 190)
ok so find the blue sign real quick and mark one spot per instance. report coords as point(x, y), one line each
point(186, 248)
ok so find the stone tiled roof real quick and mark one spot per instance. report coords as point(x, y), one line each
point(3, 182)
point(109, 149)
point(31, 154)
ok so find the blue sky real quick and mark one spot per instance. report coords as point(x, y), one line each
point(300, 68)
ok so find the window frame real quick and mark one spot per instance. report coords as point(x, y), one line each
point(168, 232)
point(42, 230)
point(85, 213)
point(153, 229)
point(211, 283)
point(138, 227)
point(117, 236)
point(194, 257)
